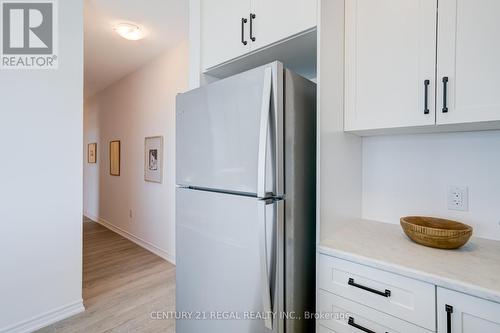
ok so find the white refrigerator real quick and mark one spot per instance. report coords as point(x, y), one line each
point(246, 204)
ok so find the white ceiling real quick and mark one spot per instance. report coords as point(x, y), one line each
point(109, 57)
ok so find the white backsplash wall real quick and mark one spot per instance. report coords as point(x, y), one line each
point(410, 175)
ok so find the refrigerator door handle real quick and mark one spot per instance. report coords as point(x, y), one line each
point(264, 269)
point(263, 134)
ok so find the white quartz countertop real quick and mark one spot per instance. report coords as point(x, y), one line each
point(473, 269)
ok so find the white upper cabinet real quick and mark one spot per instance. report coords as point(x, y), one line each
point(469, 56)
point(232, 28)
point(392, 50)
point(224, 32)
point(279, 19)
point(460, 313)
point(390, 63)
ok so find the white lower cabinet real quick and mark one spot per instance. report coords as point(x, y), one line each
point(398, 296)
point(461, 313)
point(356, 298)
point(345, 316)
point(323, 329)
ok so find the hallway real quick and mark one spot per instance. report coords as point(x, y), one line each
point(122, 284)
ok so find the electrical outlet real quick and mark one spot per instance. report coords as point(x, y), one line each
point(458, 198)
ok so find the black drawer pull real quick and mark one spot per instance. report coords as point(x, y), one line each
point(351, 322)
point(386, 293)
point(426, 96)
point(445, 94)
point(243, 22)
point(449, 311)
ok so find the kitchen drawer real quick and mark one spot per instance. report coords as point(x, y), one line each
point(323, 329)
point(404, 298)
point(351, 317)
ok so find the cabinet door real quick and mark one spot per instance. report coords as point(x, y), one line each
point(221, 30)
point(390, 53)
point(468, 54)
point(279, 19)
point(469, 314)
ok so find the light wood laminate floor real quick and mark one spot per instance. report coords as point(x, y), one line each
point(122, 285)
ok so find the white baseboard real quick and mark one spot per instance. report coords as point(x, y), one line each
point(90, 216)
point(46, 319)
point(139, 241)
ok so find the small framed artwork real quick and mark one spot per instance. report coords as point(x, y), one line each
point(92, 153)
point(114, 158)
point(153, 159)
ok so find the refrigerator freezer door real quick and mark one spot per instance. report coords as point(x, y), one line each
point(220, 138)
point(219, 270)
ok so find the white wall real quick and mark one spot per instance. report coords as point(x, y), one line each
point(41, 185)
point(410, 174)
point(194, 43)
point(339, 161)
point(138, 106)
point(91, 171)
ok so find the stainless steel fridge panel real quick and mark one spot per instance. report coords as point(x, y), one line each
point(225, 132)
point(221, 240)
point(300, 203)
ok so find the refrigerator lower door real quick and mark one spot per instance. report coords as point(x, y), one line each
point(222, 285)
point(229, 134)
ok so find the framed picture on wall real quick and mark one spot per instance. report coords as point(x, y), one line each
point(153, 159)
point(114, 158)
point(92, 153)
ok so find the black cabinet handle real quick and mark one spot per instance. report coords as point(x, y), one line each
point(252, 17)
point(449, 311)
point(351, 322)
point(445, 94)
point(243, 22)
point(386, 293)
point(426, 96)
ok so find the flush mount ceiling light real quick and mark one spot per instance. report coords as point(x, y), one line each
point(129, 31)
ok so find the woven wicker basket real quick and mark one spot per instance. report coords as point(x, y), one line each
point(435, 232)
